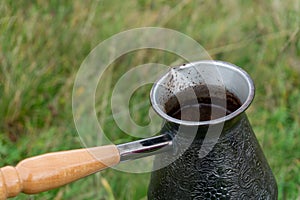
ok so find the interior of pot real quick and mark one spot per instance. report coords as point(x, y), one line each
point(218, 77)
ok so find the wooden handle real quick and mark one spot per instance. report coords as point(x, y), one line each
point(48, 171)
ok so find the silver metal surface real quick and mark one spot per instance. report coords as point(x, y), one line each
point(145, 147)
point(208, 72)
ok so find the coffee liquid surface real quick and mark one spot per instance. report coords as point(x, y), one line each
point(203, 107)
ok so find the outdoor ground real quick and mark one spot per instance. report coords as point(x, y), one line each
point(43, 43)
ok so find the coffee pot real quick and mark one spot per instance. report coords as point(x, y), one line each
point(206, 148)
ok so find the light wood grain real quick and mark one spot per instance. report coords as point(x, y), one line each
point(48, 171)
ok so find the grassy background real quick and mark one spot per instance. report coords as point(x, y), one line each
point(42, 44)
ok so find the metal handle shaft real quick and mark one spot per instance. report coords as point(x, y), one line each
point(145, 147)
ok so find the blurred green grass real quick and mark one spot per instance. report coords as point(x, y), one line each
point(42, 44)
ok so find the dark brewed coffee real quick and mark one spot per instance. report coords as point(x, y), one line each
point(204, 106)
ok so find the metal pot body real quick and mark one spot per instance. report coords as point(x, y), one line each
point(235, 168)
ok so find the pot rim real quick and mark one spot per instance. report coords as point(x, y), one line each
point(241, 109)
